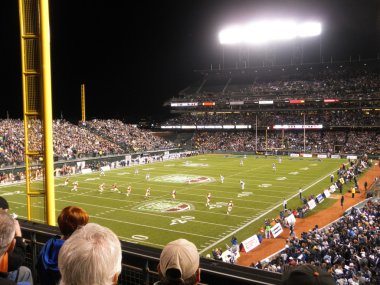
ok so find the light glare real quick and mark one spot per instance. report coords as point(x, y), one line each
point(309, 29)
point(265, 31)
point(254, 33)
point(231, 35)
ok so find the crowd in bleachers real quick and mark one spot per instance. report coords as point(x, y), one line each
point(73, 141)
point(337, 118)
point(69, 141)
point(331, 142)
point(11, 141)
point(128, 135)
point(348, 249)
point(341, 82)
point(344, 81)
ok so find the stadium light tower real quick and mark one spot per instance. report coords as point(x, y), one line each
point(265, 31)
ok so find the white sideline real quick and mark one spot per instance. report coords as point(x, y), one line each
point(259, 217)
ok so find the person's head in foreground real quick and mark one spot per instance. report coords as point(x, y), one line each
point(70, 218)
point(92, 255)
point(179, 263)
point(7, 233)
point(4, 204)
point(307, 275)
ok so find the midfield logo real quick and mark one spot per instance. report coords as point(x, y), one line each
point(166, 206)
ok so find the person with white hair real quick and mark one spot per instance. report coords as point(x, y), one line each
point(179, 264)
point(8, 230)
point(7, 233)
point(12, 264)
point(92, 255)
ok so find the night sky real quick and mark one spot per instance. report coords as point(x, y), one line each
point(135, 55)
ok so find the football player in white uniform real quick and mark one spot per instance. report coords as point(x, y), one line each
point(242, 184)
point(147, 193)
point(229, 207)
point(75, 186)
point(129, 190)
point(114, 188)
point(208, 200)
point(101, 188)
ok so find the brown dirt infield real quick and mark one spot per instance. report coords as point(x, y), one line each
point(322, 218)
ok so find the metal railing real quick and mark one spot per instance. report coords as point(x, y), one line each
point(139, 262)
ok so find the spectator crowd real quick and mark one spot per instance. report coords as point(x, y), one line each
point(348, 249)
point(328, 142)
point(327, 118)
point(130, 136)
point(84, 253)
point(345, 81)
point(75, 141)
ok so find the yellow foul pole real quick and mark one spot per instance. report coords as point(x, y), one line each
point(47, 112)
point(83, 96)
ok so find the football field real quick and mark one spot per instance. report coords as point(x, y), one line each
point(156, 220)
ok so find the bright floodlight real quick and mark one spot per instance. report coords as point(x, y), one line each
point(231, 35)
point(309, 29)
point(266, 31)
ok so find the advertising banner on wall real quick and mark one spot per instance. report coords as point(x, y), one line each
point(276, 230)
point(311, 204)
point(250, 243)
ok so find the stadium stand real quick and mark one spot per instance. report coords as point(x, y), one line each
point(69, 141)
point(350, 81)
point(328, 118)
point(129, 136)
point(315, 108)
point(341, 142)
point(343, 98)
point(348, 248)
point(102, 138)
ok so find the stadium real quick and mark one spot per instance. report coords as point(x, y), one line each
point(267, 161)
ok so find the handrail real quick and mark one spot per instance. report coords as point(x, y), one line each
point(140, 262)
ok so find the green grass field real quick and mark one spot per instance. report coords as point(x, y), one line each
point(159, 219)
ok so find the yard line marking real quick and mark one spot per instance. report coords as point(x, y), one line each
point(145, 242)
point(156, 228)
point(259, 217)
